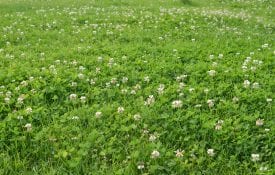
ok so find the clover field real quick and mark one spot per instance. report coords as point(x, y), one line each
point(151, 87)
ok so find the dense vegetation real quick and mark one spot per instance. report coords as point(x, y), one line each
point(137, 87)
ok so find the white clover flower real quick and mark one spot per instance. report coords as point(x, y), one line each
point(161, 89)
point(219, 125)
point(155, 154)
point(220, 56)
point(17, 88)
point(120, 109)
point(97, 70)
point(74, 62)
point(214, 64)
point(181, 85)
point(211, 152)
point(31, 79)
point(124, 91)
point(28, 110)
point(150, 100)
point(8, 94)
point(111, 62)
point(83, 99)
point(206, 91)
point(152, 138)
point(191, 90)
point(24, 83)
point(99, 59)
point(263, 168)
point(255, 157)
point(145, 131)
point(181, 77)
point(198, 105)
point(75, 118)
point(52, 67)
point(33, 91)
point(211, 57)
point(179, 153)
point(255, 85)
point(133, 92)
point(137, 87)
point(80, 76)
point(177, 104)
point(212, 73)
point(20, 117)
point(74, 138)
point(264, 45)
point(98, 114)
point(259, 122)
point(269, 100)
point(253, 68)
point(57, 61)
point(81, 68)
point(146, 79)
point(92, 82)
point(113, 80)
point(28, 126)
point(73, 97)
point(124, 80)
point(244, 68)
point(210, 103)
point(52, 139)
point(7, 100)
point(137, 117)
point(140, 165)
point(108, 84)
point(20, 99)
point(54, 72)
point(246, 83)
point(235, 99)
point(74, 84)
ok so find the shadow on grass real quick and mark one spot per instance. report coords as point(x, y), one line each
point(188, 2)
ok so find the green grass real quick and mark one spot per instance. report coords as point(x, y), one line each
point(117, 53)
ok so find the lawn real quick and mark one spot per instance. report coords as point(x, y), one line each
point(149, 87)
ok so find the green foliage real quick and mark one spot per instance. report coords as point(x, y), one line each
point(137, 87)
